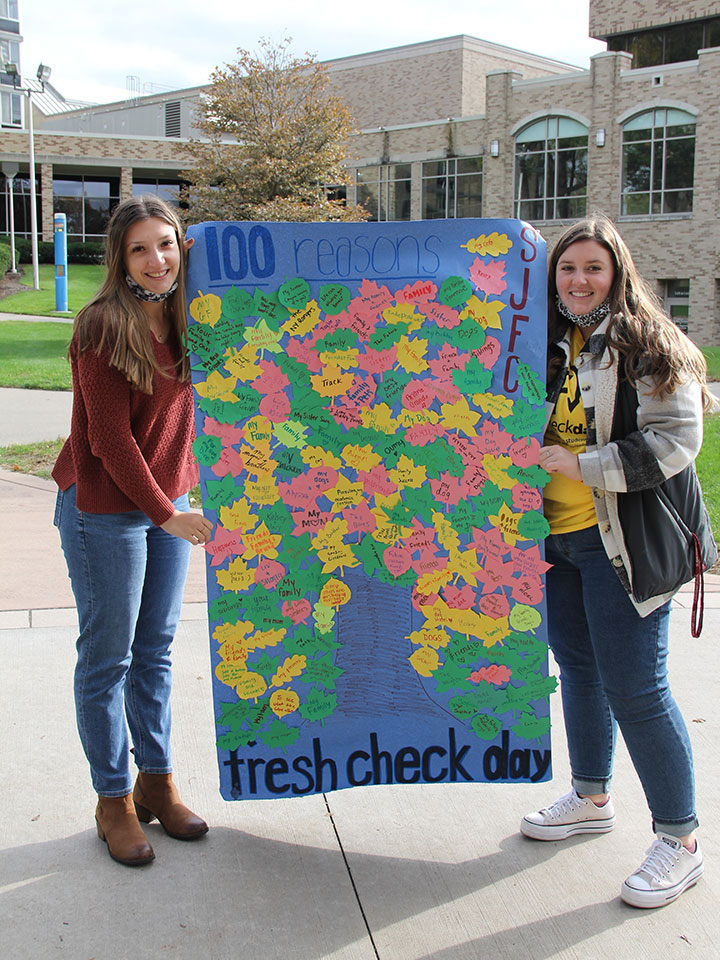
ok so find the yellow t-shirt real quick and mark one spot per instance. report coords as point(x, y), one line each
point(568, 504)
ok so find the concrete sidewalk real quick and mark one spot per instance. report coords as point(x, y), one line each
point(398, 873)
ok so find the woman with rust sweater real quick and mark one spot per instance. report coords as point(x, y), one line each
point(124, 521)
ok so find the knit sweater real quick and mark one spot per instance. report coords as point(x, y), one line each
point(668, 438)
point(128, 450)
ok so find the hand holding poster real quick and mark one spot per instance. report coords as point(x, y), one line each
point(367, 403)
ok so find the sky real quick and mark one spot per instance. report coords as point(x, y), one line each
point(93, 46)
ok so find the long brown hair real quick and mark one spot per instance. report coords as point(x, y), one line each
point(114, 319)
point(651, 344)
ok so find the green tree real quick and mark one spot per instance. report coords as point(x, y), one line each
point(274, 142)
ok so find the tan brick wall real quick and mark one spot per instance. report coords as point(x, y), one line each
point(426, 82)
point(664, 248)
point(609, 16)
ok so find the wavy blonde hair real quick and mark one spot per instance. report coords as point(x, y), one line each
point(651, 344)
point(114, 319)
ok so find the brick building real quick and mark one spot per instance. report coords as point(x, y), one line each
point(462, 127)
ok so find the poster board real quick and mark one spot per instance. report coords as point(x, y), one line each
point(369, 399)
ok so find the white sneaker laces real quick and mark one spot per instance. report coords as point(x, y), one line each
point(562, 805)
point(660, 860)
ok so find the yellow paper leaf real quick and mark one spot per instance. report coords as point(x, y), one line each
point(425, 661)
point(239, 516)
point(406, 474)
point(263, 491)
point(243, 363)
point(497, 468)
point(433, 581)
point(261, 543)
point(360, 458)
point(345, 494)
point(491, 245)
point(332, 533)
point(497, 405)
point(302, 321)
point(411, 354)
point(507, 522)
point(283, 702)
point(464, 563)
point(318, 457)
point(291, 667)
point(228, 632)
point(345, 359)
point(336, 557)
point(335, 593)
point(234, 651)
point(404, 313)
point(429, 638)
point(486, 313)
point(251, 686)
point(266, 638)
point(458, 416)
point(332, 382)
point(217, 387)
point(447, 535)
point(237, 577)
point(206, 309)
point(416, 418)
point(230, 673)
point(379, 418)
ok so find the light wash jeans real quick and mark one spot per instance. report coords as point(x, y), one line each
point(128, 578)
point(613, 671)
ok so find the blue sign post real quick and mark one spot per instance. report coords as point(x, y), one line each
point(61, 283)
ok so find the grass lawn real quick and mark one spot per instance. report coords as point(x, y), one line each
point(84, 280)
point(708, 468)
point(712, 355)
point(32, 355)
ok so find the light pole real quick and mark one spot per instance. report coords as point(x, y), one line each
point(10, 169)
point(43, 74)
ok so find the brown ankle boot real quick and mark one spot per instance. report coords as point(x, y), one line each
point(156, 795)
point(117, 825)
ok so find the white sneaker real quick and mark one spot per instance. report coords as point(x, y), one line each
point(568, 816)
point(667, 871)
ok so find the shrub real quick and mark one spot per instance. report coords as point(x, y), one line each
point(88, 251)
point(5, 257)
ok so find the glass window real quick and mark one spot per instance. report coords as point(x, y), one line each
point(9, 9)
point(21, 205)
point(9, 52)
point(658, 163)
point(551, 162)
point(384, 190)
point(168, 190)
point(11, 108)
point(677, 302)
point(452, 188)
point(87, 203)
point(672, 44)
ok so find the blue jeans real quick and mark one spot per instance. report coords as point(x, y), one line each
point(128, 578)
point(613, 672)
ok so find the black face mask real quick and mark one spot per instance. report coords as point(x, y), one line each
point(583, 319)
point(142, 294)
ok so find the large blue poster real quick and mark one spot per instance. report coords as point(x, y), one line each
point(369, 399)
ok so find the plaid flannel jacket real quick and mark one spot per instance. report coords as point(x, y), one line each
point(668, 438)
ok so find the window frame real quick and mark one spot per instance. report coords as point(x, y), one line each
point(659, 146)
point(575, 129)
point(452, 179)
point(384, 184)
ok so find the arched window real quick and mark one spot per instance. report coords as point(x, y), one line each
point(658, 163)
point(551, 161)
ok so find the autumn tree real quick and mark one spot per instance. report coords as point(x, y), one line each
point(274, 142)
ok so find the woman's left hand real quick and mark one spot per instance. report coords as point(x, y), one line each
point(556, 459)
point(192, 527)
